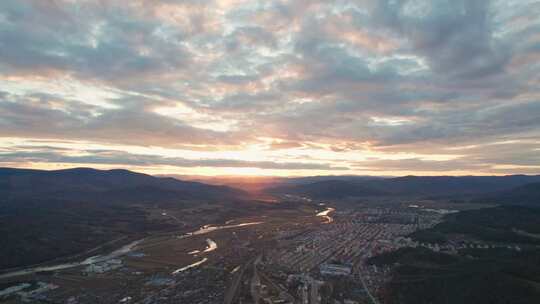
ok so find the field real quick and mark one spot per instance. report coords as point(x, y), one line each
point(163, 252)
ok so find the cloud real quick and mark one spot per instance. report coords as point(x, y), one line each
point(119, 158)
point(333, 80)
point(130, 124)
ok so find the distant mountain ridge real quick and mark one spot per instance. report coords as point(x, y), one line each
point(448, 185)
point(408, 185)
point(327, 189)
point(47, 215)
point(259, 183)
point(92, 184)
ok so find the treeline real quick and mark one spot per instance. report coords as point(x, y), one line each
point(506, 224)
point(36, 231)
point(497, 276)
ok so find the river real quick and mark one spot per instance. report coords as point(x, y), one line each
point(211, 245)
point(91, 260)
point(124, 250)
point(324, 214)
point(190, 266)
point(209, 228)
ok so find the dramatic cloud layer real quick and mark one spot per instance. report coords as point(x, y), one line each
point(272, 87)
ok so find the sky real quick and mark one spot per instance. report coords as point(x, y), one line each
point(290, 87)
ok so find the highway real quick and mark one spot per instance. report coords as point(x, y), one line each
point(371, 297)
point(255, 285)
point(230, 294)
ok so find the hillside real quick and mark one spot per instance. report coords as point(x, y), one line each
point(499, 224)
point(451, 185)
point(52, 214)
point(327, 189)
point(528, 194)
point(495, 274)
point(85, 184)
point(422, 276)
point(441, 186)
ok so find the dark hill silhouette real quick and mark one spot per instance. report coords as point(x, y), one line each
point(328, 189)
point(451, 185)
point(86, 184)
point(47, 215)
point(408, 185)
point(528, 194)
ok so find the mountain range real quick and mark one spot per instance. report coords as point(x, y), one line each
point(86, 184)
point(511, 188)
point(47, 215)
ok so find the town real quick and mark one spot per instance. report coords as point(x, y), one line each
point(315, 256)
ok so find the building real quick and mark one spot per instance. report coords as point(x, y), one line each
point(335, 269)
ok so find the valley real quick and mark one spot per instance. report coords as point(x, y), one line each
point(201, 248)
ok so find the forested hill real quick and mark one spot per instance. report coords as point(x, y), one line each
point(86, 184)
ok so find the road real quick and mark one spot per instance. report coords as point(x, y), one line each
point(231, 291)
point(255, 286)
point(164, 213)
point(371, 297)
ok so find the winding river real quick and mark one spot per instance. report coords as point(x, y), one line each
point(189, 266)
point(126, 249)
point(209, 228)
point(91, 260)
point(324, 214)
